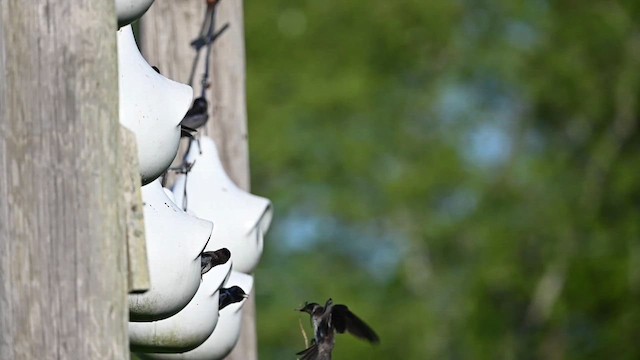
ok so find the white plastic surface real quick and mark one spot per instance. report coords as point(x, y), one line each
point(151, 106)
point(241, 218)
point(188, 328)
point(227, 331)
point(174, 243)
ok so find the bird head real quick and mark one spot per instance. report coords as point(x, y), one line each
point(309, 308)
point(230, 296)
point(237, 292)
point(209, 259)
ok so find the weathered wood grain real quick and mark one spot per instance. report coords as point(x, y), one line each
point(63, 263)
point(137, 263)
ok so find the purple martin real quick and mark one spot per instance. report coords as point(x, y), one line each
point(197, 115)
point(209, 259)
point(230, 295)
point(327, 320)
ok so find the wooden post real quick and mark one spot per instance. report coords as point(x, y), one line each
point(228, 127)
point(63, 281)
point(167, 29)
point(139, 279)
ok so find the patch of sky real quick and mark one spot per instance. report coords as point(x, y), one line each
point(299, 230)
point(482, 113)
point(376, 250)
point(489, 145)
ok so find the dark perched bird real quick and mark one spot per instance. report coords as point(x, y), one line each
point(230, 295)
point(197, 114)
point(209, 259)
point(327, 320)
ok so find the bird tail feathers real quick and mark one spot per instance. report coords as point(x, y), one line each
point(310, 353)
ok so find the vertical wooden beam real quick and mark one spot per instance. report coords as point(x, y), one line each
point(228, 127)
point(63, 264)
point(138, 277)
point(167, 29)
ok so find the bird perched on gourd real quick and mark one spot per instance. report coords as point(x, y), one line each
point(209, 259)
point(197, 115)
point(230, 295)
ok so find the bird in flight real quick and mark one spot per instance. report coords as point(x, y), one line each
point(327, 320)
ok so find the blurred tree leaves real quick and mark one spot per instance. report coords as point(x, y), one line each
point(463, 174)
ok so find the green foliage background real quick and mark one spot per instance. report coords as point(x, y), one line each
point(463, 174)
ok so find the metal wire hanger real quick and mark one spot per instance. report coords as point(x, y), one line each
point(197, 116)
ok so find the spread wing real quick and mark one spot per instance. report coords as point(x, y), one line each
point(344, 320)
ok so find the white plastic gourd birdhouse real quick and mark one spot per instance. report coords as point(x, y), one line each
point(227, 332)
point(129, 11)
point(241, 218)
point(188, 328)
point(151, 106)
point(175, 241)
